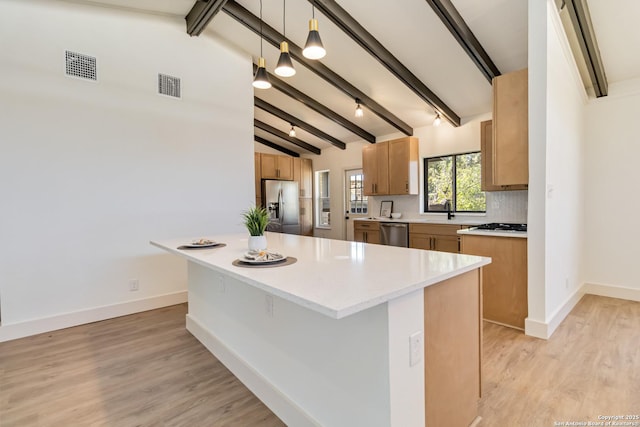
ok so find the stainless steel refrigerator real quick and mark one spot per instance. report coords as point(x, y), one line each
point(281, 200)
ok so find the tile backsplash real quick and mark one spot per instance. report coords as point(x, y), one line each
point(502, 206)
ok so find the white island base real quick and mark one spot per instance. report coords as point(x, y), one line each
point(363, 368)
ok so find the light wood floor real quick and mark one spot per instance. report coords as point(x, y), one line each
point(147, 370)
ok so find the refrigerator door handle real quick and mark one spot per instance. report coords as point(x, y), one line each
point(280, 204)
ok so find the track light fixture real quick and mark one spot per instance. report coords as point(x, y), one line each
point(359, 110)
point(313, 48)
point(292, 132)
point(261, 79)
point(437, 120)
point(284, 68)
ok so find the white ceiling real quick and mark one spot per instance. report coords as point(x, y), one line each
point(412, 32)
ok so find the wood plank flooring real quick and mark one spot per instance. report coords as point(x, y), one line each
point(147, 370)
point(138, 370)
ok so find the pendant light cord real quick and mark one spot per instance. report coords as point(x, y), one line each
point(284, 21)
point(261, 28)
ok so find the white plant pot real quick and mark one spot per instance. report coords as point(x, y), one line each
point(257, 243)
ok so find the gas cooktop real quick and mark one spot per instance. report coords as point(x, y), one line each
point(497, 226)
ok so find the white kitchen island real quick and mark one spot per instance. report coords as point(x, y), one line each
point(339, 338)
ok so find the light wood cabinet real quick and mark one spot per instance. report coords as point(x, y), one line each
point(276, 167)
point(391, 167)
point(504, 281)
point(257, 178)
point(366, 231)
point(306, 216)
point(303, 175)
point(486, 148)
point(403, 166)
point(511, 129)
point(375, 168)
point(435, 237)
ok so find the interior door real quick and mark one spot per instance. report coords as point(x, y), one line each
point(356, 203)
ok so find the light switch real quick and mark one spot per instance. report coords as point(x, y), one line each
point(416, 347)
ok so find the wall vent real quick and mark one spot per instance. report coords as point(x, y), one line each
point(169, 86)
point(79, 65)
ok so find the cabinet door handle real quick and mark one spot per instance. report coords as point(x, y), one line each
point(406, 187)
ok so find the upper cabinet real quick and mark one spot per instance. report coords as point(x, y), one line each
point(510, 145)
point(276, 167)
point(391, 167)
point(303, 173)
point(486, 147)
point(375, 168)
point(403, 166)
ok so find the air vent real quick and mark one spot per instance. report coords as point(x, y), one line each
point(169, 85)
point(79, 65)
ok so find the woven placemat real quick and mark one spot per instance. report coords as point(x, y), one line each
point(290, 260)
point(198, 248)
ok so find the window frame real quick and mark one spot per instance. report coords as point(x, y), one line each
point(454, 176)
point(320, 197)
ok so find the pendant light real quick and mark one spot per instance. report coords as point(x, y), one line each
point(261, 79)
point(437, 120)
point(359, 110)
point(285, 66)
point(292, 132)
point(313, 48)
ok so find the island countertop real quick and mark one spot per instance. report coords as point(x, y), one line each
point(333, 277)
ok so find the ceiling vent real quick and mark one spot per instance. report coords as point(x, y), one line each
point(169, 86)
point(81, 66)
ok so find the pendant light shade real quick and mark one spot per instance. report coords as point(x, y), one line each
point(292, 132)
point(261, 79)
point(313, 48)
point(437, 120)
point(359, 110)
point(285, 66)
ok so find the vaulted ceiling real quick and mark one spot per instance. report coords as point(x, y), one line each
point(410, 35)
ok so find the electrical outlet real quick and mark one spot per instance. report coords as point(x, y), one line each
point(416, 348)
point(268, 304)
point(134, 285)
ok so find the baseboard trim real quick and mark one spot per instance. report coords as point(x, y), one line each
point(612, 291)
point(66, 320)
point(544, 330)
point(287, 410)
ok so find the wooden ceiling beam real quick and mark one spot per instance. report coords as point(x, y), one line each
point(201, 14)
point(294, 121)
point(276, 132)
point(275, 146)
point(272, 36)
point(319, 108)
point(452, 19)
point(369, 43)
point(581, 21)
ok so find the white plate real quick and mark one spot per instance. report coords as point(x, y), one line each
point(249, 258)
point(209, 244)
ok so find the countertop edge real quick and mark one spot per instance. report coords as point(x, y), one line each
point(494, 233)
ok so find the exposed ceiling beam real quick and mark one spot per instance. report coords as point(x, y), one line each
point(272, 36)
point(305, 99)
point(450, 17)
point(369, 43)
point(275, 146)
point(201, 14)
point(276, 132)
point(581, 21)
point(264, 105)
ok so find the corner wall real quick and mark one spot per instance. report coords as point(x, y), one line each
point(91, 171)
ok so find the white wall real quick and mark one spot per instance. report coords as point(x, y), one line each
point(556, 138)
point(611, 159)
point(90, 172)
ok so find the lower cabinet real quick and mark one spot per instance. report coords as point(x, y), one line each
point(435, 237)
point(366, 231)
point(306, 217)
point(504, 281)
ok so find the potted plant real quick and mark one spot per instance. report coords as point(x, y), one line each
point(256, 220)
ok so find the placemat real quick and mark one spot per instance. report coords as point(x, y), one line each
point(188, 248)
point(290, 260)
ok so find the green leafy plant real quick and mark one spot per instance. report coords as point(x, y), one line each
point(256, 220)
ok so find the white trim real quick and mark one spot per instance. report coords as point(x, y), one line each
point(286, 409)
point(66, 320)
point(535, 328)
point(563, 311)
point(621, 292)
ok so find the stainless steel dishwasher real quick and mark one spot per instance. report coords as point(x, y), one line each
point(394, 234)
